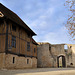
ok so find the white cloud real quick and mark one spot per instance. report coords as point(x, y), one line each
point(46, 18)
point(58, 37)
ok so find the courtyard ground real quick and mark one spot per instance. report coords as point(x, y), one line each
point(40, 71)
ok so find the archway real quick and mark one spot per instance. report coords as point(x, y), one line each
point(61, 62)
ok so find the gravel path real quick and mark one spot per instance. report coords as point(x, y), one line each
point(40, 71)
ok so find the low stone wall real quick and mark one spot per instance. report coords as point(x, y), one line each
point(18, 62)
point(2, 60)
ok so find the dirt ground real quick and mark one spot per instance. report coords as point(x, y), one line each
point(40, 71)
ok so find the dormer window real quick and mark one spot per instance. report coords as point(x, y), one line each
point(13, 28)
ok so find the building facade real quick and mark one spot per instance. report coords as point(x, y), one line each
point(55, 55)
point(17, 47)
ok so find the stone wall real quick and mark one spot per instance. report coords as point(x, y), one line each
point(71, 55)
point(17, 62)
point(58, 51)
point(2, 60)
point(45, 59)
point(47, 54)
point(43, 55)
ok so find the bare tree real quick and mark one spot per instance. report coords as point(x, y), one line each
point(70, 25)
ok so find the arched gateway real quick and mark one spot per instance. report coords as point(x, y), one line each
point(61, 62)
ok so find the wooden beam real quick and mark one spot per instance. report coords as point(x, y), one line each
point(6, 41)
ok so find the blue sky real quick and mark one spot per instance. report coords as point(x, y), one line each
point(47, 18)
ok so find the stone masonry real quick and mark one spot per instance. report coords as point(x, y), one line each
point(7, 62)
point(54, 55)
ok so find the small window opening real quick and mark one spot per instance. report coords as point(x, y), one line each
point(71, 63)
point(28, 46)
point(49, 47)
point(13, 60)
point(13, 28)
point(14, 41)
point(28, 35)
point(65, 47)
point(70, 46)
point(27, 61)
point(34, 50)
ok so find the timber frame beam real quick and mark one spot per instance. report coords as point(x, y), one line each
point(6, 41)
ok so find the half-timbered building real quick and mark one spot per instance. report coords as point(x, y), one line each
point(17, 47)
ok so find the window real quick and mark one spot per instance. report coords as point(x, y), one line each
point(13, 28)
point(13, 41)
point(71, 63)
point(34, 50)
point(28, 46)
point(70, 46)
point(13, 60)
point(49, 47)
point(65, 47)
point(28, 35)
point(27, 61)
